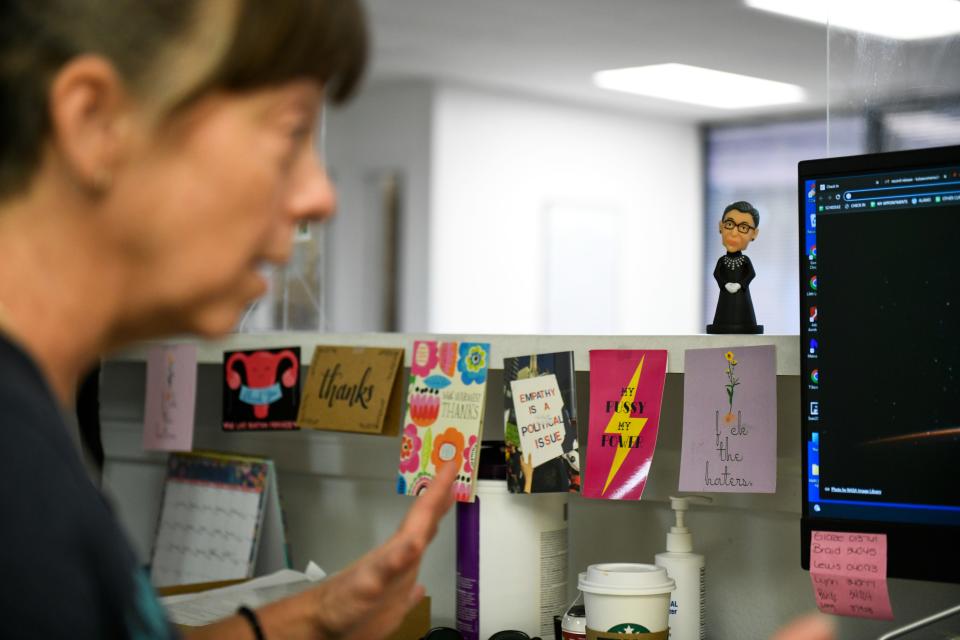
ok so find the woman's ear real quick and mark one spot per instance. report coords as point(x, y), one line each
point(88, 106)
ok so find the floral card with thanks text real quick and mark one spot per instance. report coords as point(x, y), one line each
point(626, 390)
point(443, 421)
point(730, 420)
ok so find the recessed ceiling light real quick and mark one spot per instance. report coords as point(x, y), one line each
point(898, 19)
point(697, 85)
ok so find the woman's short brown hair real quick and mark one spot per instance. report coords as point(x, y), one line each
point(268, 42)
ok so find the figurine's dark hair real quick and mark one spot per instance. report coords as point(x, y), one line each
point(247, 43)
point(745, 207)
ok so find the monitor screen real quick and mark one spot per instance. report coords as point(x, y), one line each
point(880, 354)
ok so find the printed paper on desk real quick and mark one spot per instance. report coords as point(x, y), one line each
point(729, 420)
point(206, 607)
point(849, 574)
point(539, 410)
point(626, 390)
point(261, 389)
point(170, 398)
point(353, 389)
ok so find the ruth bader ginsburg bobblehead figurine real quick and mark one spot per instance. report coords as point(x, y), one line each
point(739, 226)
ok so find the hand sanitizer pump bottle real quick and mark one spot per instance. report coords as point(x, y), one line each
point(687, 570)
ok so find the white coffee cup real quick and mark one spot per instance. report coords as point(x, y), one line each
point(626, 598)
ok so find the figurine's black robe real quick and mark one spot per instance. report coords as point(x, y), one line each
point(735, 310)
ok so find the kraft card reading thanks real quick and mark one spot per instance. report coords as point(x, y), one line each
point(353, 389)
point(626, 390)
point(729, 420)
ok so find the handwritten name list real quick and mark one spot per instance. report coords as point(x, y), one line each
point(849, 574)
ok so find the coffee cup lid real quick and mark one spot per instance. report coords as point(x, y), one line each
point(625, 579)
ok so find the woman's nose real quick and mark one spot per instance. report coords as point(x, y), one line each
point(313, 196)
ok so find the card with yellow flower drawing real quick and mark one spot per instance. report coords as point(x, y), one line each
point(730, 420)
point(443, 421)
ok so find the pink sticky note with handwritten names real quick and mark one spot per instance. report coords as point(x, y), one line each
point(849, 574)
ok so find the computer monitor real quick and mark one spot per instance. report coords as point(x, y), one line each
point(880, 354)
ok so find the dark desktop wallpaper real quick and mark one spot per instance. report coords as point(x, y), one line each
point(889, 339)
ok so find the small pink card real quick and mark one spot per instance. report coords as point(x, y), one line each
point(849, 574)
point(626, 389)
point(171, 397)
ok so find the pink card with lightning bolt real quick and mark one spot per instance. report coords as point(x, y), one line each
point(626, 389)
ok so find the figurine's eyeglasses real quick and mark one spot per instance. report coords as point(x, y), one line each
point(743, 227)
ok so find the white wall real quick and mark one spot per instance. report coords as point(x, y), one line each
point(483, 175)
point(385, 128)
point(501, 163)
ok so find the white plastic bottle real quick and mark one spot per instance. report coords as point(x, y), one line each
point(511, 556)
point(688, 570)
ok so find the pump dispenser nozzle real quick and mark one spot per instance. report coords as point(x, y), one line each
point(687, 603)
point(678, 538)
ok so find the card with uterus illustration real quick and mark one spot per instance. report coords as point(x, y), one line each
point(626, 390)
point(261, 389)
point(443, 422)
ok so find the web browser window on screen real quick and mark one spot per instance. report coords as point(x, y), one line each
point(882, 344)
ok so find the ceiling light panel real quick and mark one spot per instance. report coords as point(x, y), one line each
point(897, 19)
point(697, 85)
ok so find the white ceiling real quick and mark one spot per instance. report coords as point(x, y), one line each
point(550, 48)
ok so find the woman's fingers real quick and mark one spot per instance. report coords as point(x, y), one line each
point(429, 507)
point(815, 626)
point(375, 592)
point(405, 548)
